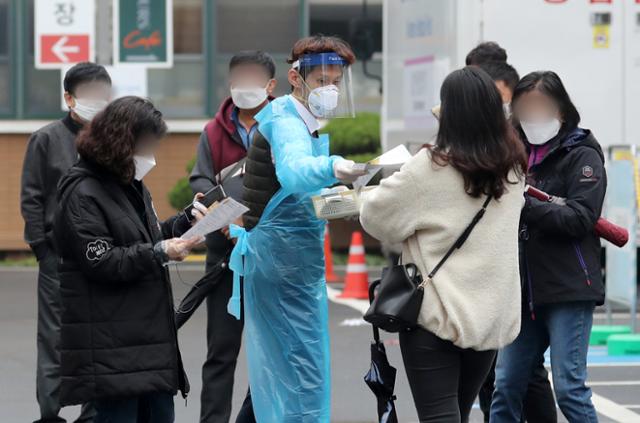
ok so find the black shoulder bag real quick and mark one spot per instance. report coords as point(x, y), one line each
point(400, 293)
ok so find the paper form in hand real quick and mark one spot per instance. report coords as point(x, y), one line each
point(392, 159)
point(220, 215)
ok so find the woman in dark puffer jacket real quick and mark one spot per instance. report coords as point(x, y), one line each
point(118, 343)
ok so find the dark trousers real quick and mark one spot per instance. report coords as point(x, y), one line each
point(444, 379)
point(539, 405)
point(48, 343)
point(245, 415)
point(224, 337)
point(150, 408)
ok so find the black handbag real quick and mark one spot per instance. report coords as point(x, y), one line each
point(397, 303)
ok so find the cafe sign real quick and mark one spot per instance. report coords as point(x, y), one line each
point(143, 32)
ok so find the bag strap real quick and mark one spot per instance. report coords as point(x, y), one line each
point(372, 294)
point(462, 238)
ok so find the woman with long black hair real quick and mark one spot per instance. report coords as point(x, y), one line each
point(472, 306)
point(560, 253)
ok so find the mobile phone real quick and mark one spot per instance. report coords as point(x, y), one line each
point(214, 194)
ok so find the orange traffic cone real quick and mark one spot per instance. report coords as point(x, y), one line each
point(357, 280)
point(329, 273)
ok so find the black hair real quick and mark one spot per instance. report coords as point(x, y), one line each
point(501, 71)
point(82, 73)
point(111, 138)
point(320, 43)
point(254, 57)
point(550, 84)
point(488, 51)
point(485, 149)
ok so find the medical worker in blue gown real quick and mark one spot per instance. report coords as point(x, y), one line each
point(280, 250)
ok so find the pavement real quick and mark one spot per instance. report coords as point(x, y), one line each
point(615, 381)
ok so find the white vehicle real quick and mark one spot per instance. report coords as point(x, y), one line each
point(594, 45)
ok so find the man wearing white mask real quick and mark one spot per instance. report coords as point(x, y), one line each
point(50, 153)
point(279, 250)
point(223, 145)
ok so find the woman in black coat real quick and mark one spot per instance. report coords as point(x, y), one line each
point(118, 343)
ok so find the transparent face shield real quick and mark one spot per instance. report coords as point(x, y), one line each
point(326, 88)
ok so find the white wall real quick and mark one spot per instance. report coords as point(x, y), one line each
point(604, 83)
point(543, 36)
point(419, 49)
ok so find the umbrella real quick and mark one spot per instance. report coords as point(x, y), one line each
point(199, 292)
point(381, 377)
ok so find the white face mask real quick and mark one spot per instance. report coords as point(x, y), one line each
point(323, 100)
point(248, 98)
point(143, 165)
point(539, 133)
point(87, 109)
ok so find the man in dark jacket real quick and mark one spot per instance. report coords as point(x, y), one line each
point(50, 153)
point(223, 144)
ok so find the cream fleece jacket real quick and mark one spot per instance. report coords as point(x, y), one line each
point(474, 299)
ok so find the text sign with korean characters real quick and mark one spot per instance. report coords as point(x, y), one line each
point(64, 32)
point(143, 32)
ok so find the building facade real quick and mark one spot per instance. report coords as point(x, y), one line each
point(206, 35)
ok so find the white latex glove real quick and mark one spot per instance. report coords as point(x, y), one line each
point(561, 201)
point(177, 249)
point(343, 171)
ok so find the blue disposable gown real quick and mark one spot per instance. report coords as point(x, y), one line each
point(285, 297)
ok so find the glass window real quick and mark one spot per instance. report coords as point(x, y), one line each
point(177, 91)
point(269, 25)
point(5, 67)
point(180, 92)
point(237, 30)
point(339, 19)
point(42, 88)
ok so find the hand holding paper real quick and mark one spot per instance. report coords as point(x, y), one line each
point(220, 215)
point(392, 159)
point(347, 171)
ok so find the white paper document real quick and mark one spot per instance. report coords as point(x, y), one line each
point(220, 215)
point(392, 159)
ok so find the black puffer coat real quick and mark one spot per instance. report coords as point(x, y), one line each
point(118, 335)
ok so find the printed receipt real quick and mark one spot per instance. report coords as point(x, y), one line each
point(220, 215)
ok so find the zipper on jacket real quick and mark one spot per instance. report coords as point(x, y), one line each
point(583, 264)
point(530, 288)
point(524, 236)
point(180, 373)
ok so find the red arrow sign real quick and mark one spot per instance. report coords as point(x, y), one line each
point(64, 48)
